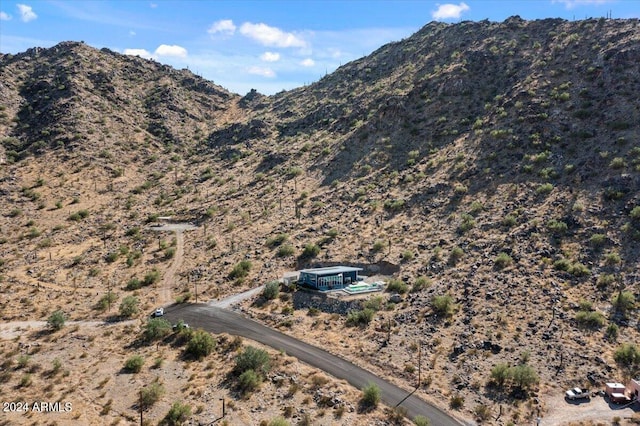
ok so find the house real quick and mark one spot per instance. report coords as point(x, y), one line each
point(616, 392)
point(633, 388)
point(329, 278)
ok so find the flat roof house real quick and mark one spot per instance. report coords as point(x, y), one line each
point(329, 278)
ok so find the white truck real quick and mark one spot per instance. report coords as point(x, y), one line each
point(577, 393)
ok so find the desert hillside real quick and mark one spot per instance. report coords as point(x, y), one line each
point(492, 170)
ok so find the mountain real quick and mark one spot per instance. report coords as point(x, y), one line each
point(492, 168)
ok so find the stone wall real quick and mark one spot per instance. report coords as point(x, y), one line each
point(304, 299)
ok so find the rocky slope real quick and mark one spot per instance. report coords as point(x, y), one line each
point(499, 162)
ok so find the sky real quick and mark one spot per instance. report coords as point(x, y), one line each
point(261, 44)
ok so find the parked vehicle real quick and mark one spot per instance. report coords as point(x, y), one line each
point(159, 312)
point(577, 393)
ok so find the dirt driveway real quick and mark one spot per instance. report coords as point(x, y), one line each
point(562, 412)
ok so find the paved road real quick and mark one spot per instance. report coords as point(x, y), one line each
point(217, 320)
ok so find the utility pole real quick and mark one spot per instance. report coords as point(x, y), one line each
point(419, 364)
point(140, 403)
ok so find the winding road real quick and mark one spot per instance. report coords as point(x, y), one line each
point(218, 320)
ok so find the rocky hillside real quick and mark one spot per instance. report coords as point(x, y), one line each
point(493, 168)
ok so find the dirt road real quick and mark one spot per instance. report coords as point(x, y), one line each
point(219, 320)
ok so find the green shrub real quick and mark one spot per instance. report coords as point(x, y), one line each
point(503, 260)
point(151, 277)
point(397, 286)
point(378, 246)
point(151, 394)
point(252, 358)
point(134, 364)
point(129, 306)
point(627, 357)
point(56, 320)
point(562, 264)
point(279, 421)
point(370, 395)
point(500, 374)
point(544, 189)
point(467, 223)
point(361, 318)
point(421, 421)
point(249, 381)
point(456, 402)
point(557, 226)
point(133, 284)
point(374, 303)
point(605, 280)
point(106, 301)
point(157, 328)
point(635, 213)
point(523, 377)
point(579, 270)
point(271, 290)
point(509, 221)
point(590, 319)
point(277, 240)
point(617, 163)
point(285, 250)
point(598, 240)
point(612, 258)
point(455, 255)
point(112, 257)
point(310, 251)
point(177, 415)
point(407, 256)
point(421, 282)
point(624, 301)
point(240, 270)
point(612, 332)
point(442, 305)
point(200, 344)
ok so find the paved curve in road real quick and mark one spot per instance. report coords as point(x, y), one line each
point(217, 320)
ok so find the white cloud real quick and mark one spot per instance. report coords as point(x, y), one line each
point(153, 5)
point(26, 13)
point(570, 4)
point(308, 62)
point(449, 11)
point(270, 56)
point(270, 36)
point(263, 71)
point(225, 26)
point(171, 50)
point(5, 16)
point(132, 33)
point(143, 53)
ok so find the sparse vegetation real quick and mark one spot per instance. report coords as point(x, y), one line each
point(56, 320)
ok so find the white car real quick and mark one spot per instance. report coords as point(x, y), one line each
point(159, 312)
point(577, 393)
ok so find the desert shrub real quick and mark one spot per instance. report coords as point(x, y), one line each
point(177, 415)
point(56, 320)
point(249, 381)
point(442, 305)
point(151, 394)
point(562, 264)
point(605, 280)
point(617, 163)
point(370, 395)
point(252, 358)
point(456, 402)
point(407, 256)
point(361, 318)
point(378, 246)
point(503, 260)
point(500, 374)
point(635, 213)
point(285, 250)
point(624, 301)
point(467, 223)
point(134, 364)
point(277, 240)
point(523, 377)
point(509, 221)
point(240, 270)
point(579, 270)
point(544, 189)
point(598, 240)
point(397, 286)
point(627, 357)
point(310, 251)
point(421, 282)
point(278, 421)
point(460, 189)
point(374, 303)
point(133, 284)
point(271, 290)
point(129, 306)
point(455, 255)
point(112, 256)
point(156, 328)
point(557, 227)
point(482, 412)
point(421, 421)
point(151, 277)
point(612, 332)
point(169, 253)
point(200, 344)
point(590, 319)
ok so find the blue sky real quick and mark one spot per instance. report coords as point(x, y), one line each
point(266, 45)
